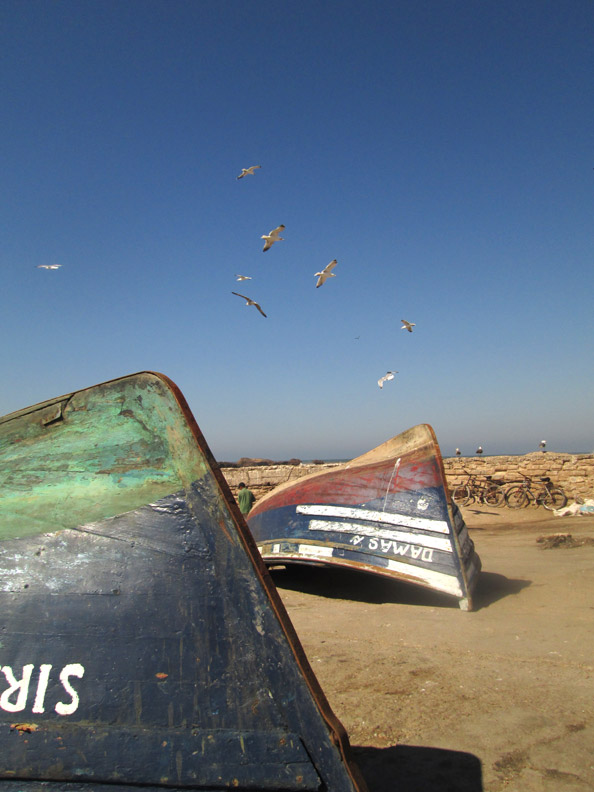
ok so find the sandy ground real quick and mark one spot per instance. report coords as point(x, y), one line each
point(434, 698)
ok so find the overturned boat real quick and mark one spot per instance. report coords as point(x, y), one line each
point(142, 640)
point(388, 512)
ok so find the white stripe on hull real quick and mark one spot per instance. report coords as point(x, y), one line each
point(439, 581)
point(436, 542)
point(422, 523)
point(313, 551)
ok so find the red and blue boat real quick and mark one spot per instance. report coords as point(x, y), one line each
point(388, 512)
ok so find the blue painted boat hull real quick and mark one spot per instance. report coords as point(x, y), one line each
point(142, 641)
point(388, 512)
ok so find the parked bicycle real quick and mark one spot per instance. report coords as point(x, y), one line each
point(550, 496)
point(479, 490)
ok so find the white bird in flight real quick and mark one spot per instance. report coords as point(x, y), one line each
point(249, 301)
point(243, 277)
point(272, 237)
point(389, 375)
point(48, 266)
point(326, 273)
point(248, 171)
point(407, 325)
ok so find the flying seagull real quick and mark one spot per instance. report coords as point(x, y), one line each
point(407, 325)
point(248, 171)
point(479, 450)
point(49, 266)
point(326, 273)
point(457, 452)
point(389, 375)
point(272, 237)
point(243, 277)
point(249, 301)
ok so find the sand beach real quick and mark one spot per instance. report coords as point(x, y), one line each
point(437, 699)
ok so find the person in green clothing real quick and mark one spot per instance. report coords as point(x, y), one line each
point(245, 498)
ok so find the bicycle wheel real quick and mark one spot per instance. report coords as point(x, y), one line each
point(516, 497)
point(494, 496)
point(554, 499)
point(461, 495)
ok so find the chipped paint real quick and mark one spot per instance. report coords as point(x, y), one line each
point(388, 512)
point(121, 549)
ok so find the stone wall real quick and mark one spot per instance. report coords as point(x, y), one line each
point(264, 478)
point(573, 472)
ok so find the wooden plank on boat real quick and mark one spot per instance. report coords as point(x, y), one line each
point(143, 642)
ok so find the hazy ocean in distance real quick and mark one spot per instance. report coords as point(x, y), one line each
point(325, 461)
point(514, 454)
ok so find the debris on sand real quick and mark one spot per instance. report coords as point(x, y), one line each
point(585, 507)
point(563, 540)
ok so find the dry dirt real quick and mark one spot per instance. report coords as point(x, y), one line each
point(434, 698)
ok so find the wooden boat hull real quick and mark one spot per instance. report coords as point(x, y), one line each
point(142, 640)
point(387, 512)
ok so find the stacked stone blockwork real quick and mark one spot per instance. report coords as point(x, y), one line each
point(573, 472)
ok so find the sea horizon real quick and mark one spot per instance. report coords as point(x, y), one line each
point(338, 460)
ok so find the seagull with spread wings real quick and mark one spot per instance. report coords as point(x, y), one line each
point(243, 277)
point(272, 237)
point(326, 273)
point(248, 171)
point(49, 266)
point(249, 301)
point(407, 325)
point(389, 375)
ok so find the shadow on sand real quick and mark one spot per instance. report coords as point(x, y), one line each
point(347, 584)
point(492, 587)
point(418, 768)
point(480, 512)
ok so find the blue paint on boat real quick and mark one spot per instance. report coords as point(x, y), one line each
point(387, 512)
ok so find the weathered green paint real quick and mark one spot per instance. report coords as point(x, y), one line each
point(93, 454)
point(126, 568)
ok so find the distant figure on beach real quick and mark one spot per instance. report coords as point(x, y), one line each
point(245, 498)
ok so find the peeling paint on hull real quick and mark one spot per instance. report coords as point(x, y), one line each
point(142, 641)
point(387, 512)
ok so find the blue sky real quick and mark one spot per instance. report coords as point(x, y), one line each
point(441, 151)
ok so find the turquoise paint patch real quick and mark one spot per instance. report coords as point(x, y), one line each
point(94, 454)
